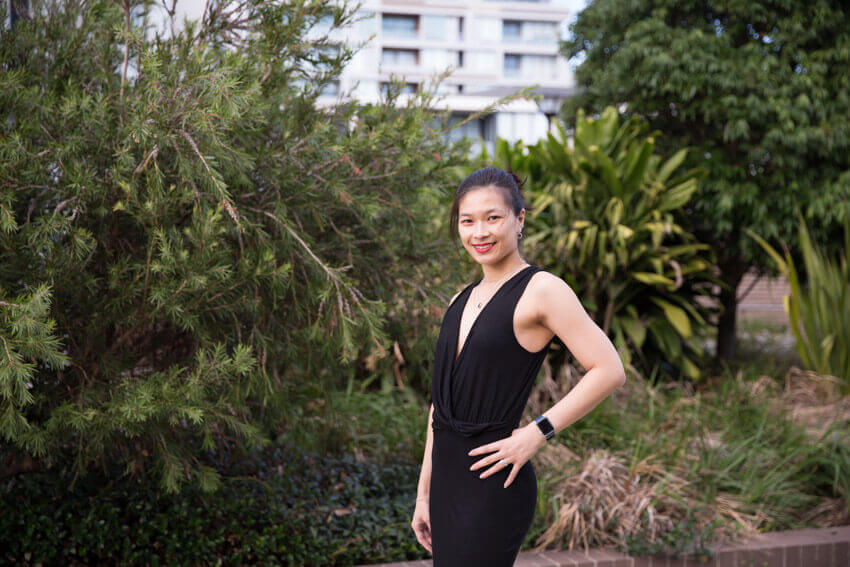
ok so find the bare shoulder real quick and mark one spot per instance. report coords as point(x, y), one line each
point(546, 290)
point(546, 285)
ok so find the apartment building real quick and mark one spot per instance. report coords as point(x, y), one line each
point(493, 47)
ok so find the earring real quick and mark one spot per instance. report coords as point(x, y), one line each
point(519, 235)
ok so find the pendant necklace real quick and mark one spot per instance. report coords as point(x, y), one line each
point(499, 281)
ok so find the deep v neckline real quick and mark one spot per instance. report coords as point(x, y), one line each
point(455, 359)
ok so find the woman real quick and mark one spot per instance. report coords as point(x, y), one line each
point(477, 489)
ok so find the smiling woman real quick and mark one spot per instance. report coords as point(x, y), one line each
point(492, 342)
point(494, 216)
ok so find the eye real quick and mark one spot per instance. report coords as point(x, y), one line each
point(493, 217)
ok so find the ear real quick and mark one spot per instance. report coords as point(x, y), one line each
point(521, 218)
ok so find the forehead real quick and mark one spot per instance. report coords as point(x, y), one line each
point(482, 199)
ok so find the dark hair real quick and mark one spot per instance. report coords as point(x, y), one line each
point(509, 182)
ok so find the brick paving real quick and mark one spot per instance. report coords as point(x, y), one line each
point(825, 547)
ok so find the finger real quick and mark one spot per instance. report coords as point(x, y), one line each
point(512, 475)
point(494, 469)
point(425, 540)
point(494, 446)
point(489, 459)
point(484, 449)
point(422, 538)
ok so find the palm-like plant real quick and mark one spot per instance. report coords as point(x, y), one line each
point(818, 311)
point(602, 218)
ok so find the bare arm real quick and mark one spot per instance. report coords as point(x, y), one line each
point(565, 316)
point(424, 488)
point(559, 310)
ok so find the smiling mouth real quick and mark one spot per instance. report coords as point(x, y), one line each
point(483, 247)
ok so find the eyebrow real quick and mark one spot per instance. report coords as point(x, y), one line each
point(487, 212)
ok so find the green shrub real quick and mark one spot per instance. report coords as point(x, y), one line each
point(273, 507)
point(603, 219)
point(818, 310)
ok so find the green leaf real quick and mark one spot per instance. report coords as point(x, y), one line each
point(670, 165)
point(651, 278)
point(676, 315)
point(635, 329)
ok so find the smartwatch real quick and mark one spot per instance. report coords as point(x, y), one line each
point(545, 426)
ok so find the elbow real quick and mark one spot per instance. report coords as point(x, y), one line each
point(619, 376)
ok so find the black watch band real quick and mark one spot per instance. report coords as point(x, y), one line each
point(545, 426)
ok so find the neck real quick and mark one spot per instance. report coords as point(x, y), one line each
point(494, 272)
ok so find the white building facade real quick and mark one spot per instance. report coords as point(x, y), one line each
point(494, 48)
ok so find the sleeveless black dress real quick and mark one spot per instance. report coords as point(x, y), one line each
point(479, 398)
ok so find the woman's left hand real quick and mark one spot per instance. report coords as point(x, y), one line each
point(516, 450)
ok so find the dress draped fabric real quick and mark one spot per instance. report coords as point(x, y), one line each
point(479, 398)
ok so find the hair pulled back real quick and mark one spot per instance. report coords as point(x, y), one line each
point(509, 183)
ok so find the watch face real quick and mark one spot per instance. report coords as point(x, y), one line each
point(545, 426)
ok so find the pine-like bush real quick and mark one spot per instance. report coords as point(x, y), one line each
point(185, 234)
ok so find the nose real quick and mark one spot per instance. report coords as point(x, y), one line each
point(481, 230)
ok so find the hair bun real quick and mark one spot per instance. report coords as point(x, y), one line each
point(520, 182)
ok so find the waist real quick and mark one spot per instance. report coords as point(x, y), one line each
point(472, 429)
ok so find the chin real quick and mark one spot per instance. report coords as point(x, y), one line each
point(489, 258)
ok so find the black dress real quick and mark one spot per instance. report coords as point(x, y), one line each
point(479, 398)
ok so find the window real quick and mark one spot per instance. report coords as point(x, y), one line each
point(138, 14)
point(400, 26)
point(324, 24)
point(434, 59)
point(325, 56)
point(460, 58)
point(446, 89)
point(511, 65)
point(400, 57)
point(366, 89)
point(434, 27)
point(539, 66)
point(471, 129)
point(540, 32)
point(408, 88)
point(511, 30)
point(367, 24)
point(331, 89)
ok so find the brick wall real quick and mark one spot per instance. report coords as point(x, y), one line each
point(819, 547)
point(764, 300)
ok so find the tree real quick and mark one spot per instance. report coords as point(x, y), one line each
point(760, 90)
point(185, 234)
